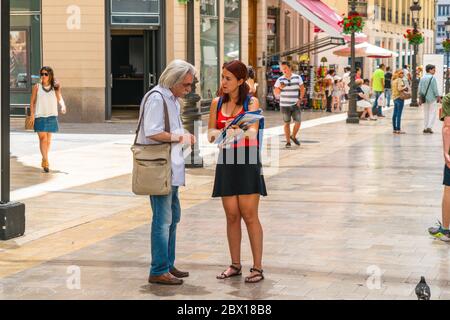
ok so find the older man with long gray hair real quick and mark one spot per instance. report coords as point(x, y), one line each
point(174, 83)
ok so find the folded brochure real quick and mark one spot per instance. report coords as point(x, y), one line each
point(243, 120)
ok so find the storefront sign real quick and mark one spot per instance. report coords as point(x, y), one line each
point(135, 12)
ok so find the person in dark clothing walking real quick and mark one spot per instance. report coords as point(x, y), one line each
point(388, 86)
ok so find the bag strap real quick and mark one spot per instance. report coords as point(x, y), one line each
point(246, 103)
point(166, 115)
point(220, 103)
point(429, 84)
point(219, 106)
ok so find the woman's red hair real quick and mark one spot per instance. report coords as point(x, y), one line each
point(240, 71)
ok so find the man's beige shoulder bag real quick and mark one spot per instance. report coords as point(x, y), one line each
point(152, 173)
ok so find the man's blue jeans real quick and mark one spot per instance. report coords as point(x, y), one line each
point(376, 110)
point(388, 95)
point(166, 215)
point(397, 117)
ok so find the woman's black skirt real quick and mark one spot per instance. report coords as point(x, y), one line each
point(239, 172)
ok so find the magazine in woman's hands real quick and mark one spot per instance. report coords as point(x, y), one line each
point(243, 121)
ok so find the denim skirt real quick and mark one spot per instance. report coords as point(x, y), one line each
point(46, 124)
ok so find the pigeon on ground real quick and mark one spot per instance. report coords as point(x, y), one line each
point(423, 290)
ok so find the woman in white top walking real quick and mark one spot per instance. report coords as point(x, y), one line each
point(44, 110)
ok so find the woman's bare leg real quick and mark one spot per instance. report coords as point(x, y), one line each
point(249, 205)
point(49, 141)
point(43, 145)
point(234, 232)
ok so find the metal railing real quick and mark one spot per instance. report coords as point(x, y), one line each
point(316, 46)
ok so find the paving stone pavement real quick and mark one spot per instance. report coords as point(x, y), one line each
point(346, 218)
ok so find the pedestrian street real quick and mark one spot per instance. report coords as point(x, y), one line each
point(346, 218)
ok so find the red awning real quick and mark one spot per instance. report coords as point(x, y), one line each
point(320, 14)
point(323, 17)
point(323, 12)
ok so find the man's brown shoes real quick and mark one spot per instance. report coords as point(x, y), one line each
point(166, 278)
point(179, 274)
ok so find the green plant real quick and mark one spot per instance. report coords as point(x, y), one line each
point(414, 37)
point(352, 23)
point(446, 45)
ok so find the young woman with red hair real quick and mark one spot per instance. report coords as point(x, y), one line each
point(238, 180)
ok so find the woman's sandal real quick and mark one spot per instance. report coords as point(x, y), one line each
point(237, 272)
point(259, 275)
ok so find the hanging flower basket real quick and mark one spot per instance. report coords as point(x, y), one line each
point(446, 45)
point(352, 23)
point(414, 37)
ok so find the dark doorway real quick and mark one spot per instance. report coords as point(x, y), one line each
point(133, 64)
point(127, 66)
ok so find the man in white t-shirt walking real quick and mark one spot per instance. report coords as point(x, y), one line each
point(290, 89)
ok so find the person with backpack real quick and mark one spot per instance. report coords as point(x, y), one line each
point(239, 180)
point(429, 96)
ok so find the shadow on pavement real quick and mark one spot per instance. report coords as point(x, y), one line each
point(169, 291)
point(24, 176)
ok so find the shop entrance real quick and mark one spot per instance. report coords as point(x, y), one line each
point(133, 70)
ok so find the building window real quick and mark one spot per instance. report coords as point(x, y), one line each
point(396, 11)
point(25, 39)
point(25, 5)
point(376, 9)
point(397, 60)
point(135, 12)
point(25, 51)
point(441, 31)
point(19, 59)
point(209, 35)
point(232, 32)
point(443, 10)
point(272, 31)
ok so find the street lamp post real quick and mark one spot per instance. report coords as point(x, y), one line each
point(415, 9)
point(191, 113)
point(447, 82)
point(12, 214)
point(352, 114)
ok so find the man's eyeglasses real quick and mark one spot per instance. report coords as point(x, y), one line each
point(44, 74)
point(187, 85)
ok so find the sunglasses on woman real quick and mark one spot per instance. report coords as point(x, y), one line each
point(44, 74)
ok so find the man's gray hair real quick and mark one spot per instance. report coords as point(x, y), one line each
point(175, 73)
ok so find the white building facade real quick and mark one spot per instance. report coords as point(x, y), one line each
point(442, 13)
